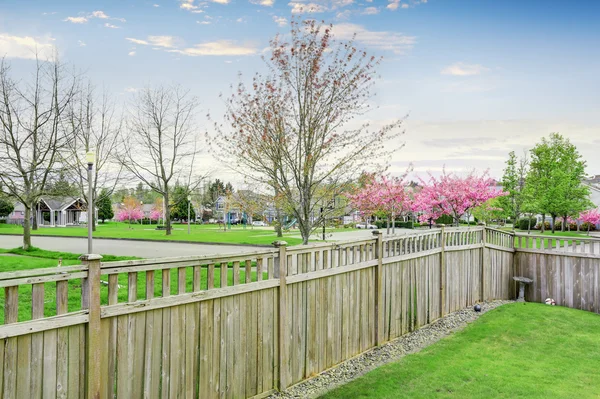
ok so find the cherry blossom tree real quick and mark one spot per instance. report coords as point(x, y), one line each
point(591, 217)
point(388, 195)
point(131, 211)
point(453, 195)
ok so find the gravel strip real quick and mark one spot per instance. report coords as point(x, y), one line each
point(389, 352)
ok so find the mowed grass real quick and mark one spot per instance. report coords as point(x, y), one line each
point(40, 259)
point(520, 350)
point(209, 233)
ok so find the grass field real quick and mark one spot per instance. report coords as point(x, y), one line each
point(520, 350)
point(39, 259)
point(199, 233)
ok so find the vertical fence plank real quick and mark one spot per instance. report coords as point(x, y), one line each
point(284, 363)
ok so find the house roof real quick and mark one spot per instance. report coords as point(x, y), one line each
point(60, 203)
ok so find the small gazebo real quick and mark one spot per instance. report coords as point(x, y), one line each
point(61, 211)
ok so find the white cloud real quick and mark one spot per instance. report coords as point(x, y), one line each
point(393, 5)
point(187, 6)
point(24, 46)
point(217, 48)
point(95, 14)
point(266, 3)
point(76, 20)
point(371, 11)
point(281, 21)
point(81, 43)
point(155, 5)
point(462, 69)
point(49, 13)
point(162, 41)
point(220, 1)
point(137, 41)
point(130, 90)
point(404, 5)
point(239, 20)
point(111, 26)
point(131, 53)
point(382, 40)
point(203, 22)
point(99, 14)
point(301, 8)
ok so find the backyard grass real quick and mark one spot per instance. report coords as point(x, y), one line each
point(37, 258)
point(210, 233)
point(520, 350)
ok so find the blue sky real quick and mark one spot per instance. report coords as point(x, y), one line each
point(477, 78)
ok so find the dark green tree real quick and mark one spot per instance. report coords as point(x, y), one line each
point(179, 206)
point(513, 182)
point(6, 207)
point(104, 204)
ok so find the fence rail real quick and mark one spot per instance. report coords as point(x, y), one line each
point(243, 325)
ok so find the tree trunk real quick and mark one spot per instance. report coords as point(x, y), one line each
point(387, 223)
point(35, 221)
point(278, 225)
point(562, 228)
point(167, 213)
point(27, 229)
point(543, 223)
point(553, 223)
point(304, 232)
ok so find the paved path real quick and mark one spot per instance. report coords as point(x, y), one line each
point(354, 234)
point(143, 249)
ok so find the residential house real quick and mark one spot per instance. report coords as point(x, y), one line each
point(53, 212)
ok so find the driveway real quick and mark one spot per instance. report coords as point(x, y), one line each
point(143, 249)
point(354, 234)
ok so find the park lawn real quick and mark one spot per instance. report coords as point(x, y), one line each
point(519, 350)
point(198, 233)
point(50, 259)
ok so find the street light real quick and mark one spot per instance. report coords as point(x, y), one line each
point(90, 157)
point(330, 206)
point(189, 197)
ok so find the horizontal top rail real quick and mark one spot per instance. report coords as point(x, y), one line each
point(42, 272)
point(180, 260)
point(501, 231)
point(558, 237)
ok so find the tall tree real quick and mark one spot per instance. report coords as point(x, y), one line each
point(513, 183)
point(555, 178)
point(32, 132)
point(104, 204)
point(97, 126)
point(290, 129)
point(180, 203)
point(162, 143)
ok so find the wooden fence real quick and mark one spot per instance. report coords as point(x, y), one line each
point(235, 326)
point(564, 269)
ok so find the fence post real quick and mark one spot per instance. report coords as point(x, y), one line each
point(442, 270)
point(90, 299)
point(484, 260)
point(281, 267)
point(378, 288)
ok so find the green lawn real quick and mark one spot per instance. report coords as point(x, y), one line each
point(209, 233)
point(515, 351)
point(39, 259)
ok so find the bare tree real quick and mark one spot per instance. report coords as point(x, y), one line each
point(32, 132)
point(294, 128)
point(162, 144)
point(97, 127)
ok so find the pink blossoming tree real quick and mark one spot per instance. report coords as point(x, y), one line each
point(591, 217)
point(131, 211)
point(387, 195)
point(453, 195)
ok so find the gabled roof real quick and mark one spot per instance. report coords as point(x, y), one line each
point(60, 203)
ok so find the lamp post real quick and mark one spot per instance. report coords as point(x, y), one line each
point(330, 206)
point(90, 158)
point(189, 198)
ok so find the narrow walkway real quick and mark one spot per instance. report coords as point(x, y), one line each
point(143, 249)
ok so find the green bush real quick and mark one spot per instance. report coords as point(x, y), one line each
point(546, 226)
point(584, 227)
point(445, 219)
point(523, 224)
